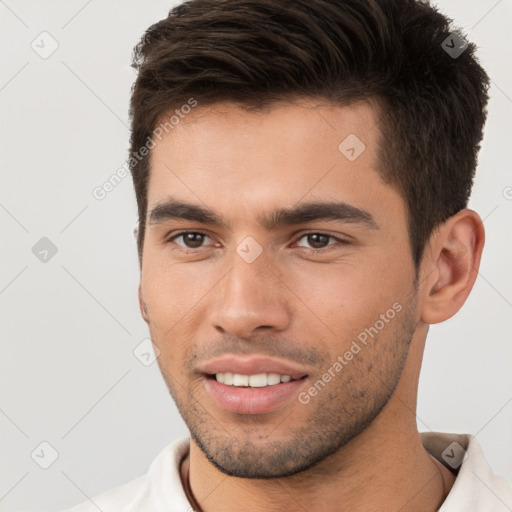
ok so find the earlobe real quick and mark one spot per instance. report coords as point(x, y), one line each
point(456, 250)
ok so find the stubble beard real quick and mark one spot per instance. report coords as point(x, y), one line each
point(258, 448)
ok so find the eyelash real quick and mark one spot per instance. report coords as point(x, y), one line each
point(182, 233)
point(310, 249)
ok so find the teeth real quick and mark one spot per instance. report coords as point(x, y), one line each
point(273, 378)
point(259, 380)
point(240, 380)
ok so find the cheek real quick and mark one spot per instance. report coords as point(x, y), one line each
point(175, 296)
point(342, 300)
point(171, 288)
point(329, 287)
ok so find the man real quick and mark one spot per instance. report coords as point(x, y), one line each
point(302, 170)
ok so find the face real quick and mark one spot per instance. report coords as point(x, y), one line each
point(277, 281)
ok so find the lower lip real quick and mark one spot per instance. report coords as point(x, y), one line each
point(252, 400)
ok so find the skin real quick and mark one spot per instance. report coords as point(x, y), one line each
point(355, 445)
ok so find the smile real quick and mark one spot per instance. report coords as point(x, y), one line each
point(258, 380)
point(258, 393)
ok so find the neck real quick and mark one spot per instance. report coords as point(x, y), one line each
point(385, 467)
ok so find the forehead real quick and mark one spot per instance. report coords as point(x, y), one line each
point(246, 161)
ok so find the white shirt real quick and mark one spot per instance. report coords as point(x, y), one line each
point(476, 488)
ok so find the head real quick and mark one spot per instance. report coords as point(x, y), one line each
point(320, 156)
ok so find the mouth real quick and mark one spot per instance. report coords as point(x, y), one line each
point(253, 384)
point(257, 380)
point(253, 393)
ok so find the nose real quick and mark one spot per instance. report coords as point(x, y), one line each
point(250, 298)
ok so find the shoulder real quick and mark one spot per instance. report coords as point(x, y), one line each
point(477, 488)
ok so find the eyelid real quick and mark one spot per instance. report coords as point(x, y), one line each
point(343, 241)
point(173, 236)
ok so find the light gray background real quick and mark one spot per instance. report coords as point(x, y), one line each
point(70, 325)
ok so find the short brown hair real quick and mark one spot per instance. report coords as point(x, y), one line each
point(396, 52)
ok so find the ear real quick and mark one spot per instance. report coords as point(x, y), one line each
point(136, 235)
point(450, 266)
point(142, 305)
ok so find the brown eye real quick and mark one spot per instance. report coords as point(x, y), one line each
point(190, 239)
point(315, 240)
point(318, 240)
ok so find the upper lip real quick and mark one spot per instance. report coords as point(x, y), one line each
point(251, 365)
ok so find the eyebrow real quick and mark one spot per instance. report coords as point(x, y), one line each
point(303, 213)
point(309, 212)
point(174, 209)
